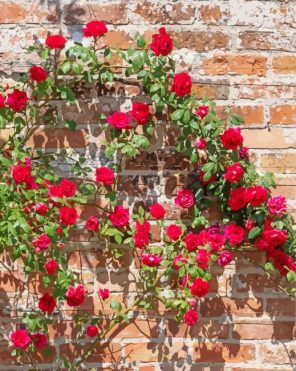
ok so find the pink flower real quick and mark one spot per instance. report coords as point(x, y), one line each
point(244, 153)
point(41, 208)
point(225, 258)
point(234, 233)
point(92, 224)
point(249, 224)
point(151, 260)
point(119, 120)
point(17, 100)
point(185, 198)
point(104, 293)
point(20, 339)
point(41, 243)
point(202, 111)
point(178, 261)
point(190, 317)
point(277, 205)
point(200, 143)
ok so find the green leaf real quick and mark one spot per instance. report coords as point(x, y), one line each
point(254, 232)
point(177, 115)
point(65, 67)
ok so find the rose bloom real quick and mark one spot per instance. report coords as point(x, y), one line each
point(55, 191)
point(151, 260)
point(202, 111)
point(51, 266)
point(47, 303)
point(39, 340)
point(92, 331)
point(94, 29)
point(232, 138)
point(216, 241)
point(68, 215)
point(275, 237)
point(190, 317)
point(225, 258)
point(143, 227)
point(20, 339)
point(173, 232)
point(277, 205)
point(141, 239)
point(257, 195)
point(178, 261)
point(157, 211)
point(119, 120)
point(120, 217)
point(202, 258)
point(234, 172)
point(234, 233)
point(75, 295)
point(192, 241)
point(249, 224)
point(42, 242)
point(199, 287)
point(105, 175)
point(17, 100)
point(282, 262)
point(244, 153)
point(21, 174)
point(92, 224)
point(182, 84)
point(206, 182)
point(38, 74)
point(239, 197)
point(2, 101)
point(162, 43)
point(200, 143)
point(68, 188)
point(41, 208)
point(104, 293)
point(55, 41)
point(185, 198)
point(140, 112)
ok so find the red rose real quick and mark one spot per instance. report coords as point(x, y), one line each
point(282, 262)
point(75, 295)
point(173, 232)
point(206, 182)
point(68, 215)
point(91, 331)
point(244, 153)
point(59, 231)
point(182, 84)
point(232, 138)
point(119, 120)
point(202, 111)
point(257, 195)
point(47, 303)
point(39, 340)
point(141, 239)
point(157, 211)
point(151, 260)
point(55, 41)
point(17, 100)
point(105, 175)
point(68, 188)
point(192, 241)
point(21, 174)
point(234, 172)
point(275, 237)
point(38, 74)
point(200, 143)
point(104, 293)
point(185, 198)
point(178, 261)
point(216, 241)
point(234, 233)
point(249, 224)
point(162, 43)
point(143, 227)
point(190, 317)
point(199, 287)
point(94, 29)
point(41, 208)
point(92, 224)
point(20, 339)
point(2, 101)
point(51, 266)
point(120, 217)
point(42, 242)
point(202, 258)
point(140, 112)
point(277, 205)
point(55, 191)
point(239, 198)
point(225, 258)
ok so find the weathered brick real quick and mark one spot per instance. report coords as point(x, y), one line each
point(283, 114)
point(203, 41)
point(274, 138)
point(235, 65)
point(280, 163)
point(264, 330)
point(214, 14)
point(254, 40)
point(284, 64)
point(278, 354)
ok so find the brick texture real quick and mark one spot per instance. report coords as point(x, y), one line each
point(242, 54)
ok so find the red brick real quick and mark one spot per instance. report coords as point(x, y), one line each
point(14, 12)
point(284, 64)
point(278, 330)
point(281, 163)
point(264, 138)
point(283, 114)
point(202, 41)
point(281, 307)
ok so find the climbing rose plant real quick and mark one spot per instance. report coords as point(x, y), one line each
point(39, 211)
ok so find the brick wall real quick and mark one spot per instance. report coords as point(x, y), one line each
point(242, 53)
